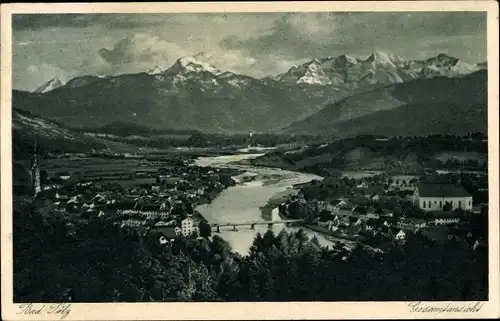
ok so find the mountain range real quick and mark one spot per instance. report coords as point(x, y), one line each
point(52, 84)
point(424, 106)
point(378, 68)
point(192, 94)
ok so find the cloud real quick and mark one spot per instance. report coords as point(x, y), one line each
point(307, 35)
point(35, 75)
point(290, 35)
point(232, 60)
point(40, 21)
point(135, 53)
point(110, 21)
point(257, 44)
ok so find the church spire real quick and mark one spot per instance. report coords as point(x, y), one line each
point(35, 160)
point(35, 173)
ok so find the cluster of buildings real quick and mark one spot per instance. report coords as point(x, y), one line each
point(361, 214)
point(166, 206)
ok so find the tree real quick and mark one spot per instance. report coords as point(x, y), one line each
point(315, 241)
point(205, 229)
point(44, 177)
point(197, 140)
point(447, 206)
point(324, 215)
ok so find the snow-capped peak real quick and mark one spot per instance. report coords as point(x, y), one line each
point(343, 60)
point(443, 60)
point(193, 64)
point(386, 60)
point(49, 85)
point(314, 74)
point(156, 70)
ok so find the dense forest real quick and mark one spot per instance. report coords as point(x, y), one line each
point(395, 154)
point(167, 139)
point(104, 263)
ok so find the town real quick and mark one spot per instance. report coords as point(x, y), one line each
point(164, 208)
point(381, 211)
point(375, 211)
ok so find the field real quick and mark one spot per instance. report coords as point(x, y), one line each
point(462, 156)
point(360, 174)
point(126, 172)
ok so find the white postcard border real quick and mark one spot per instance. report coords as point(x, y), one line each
point(254, 311)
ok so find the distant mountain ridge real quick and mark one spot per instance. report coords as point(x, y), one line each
point(194, 95)
point(52, 84)
point(49, 135)
point(419, 107)
point(379, 68)
point(191, 94)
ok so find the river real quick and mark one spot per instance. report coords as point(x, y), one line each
point(242, 203)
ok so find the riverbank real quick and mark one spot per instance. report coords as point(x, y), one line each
point(284, 184)
point(275, 201)
point(246, 202)
point(336, 235)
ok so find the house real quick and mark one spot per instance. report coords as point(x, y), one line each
point(333, 228)
point(128, 208)
point(187, 226)
point(62, 196)
point(165, 235)
point(362, 184)
point(434, 196)
point(375, 197)
point(152, 211)
point(336, 221)
point(402, 182)
point(401, 235)
point(373, 213)
point(371, 224)
point(411, 223)
point(133, 221)
point(63, 175)
point(344, 221)
point(327, 223)
point(163, 223)
point(378, 213)
point(336, 205)
point(385, 231)
point(443, 218)
point(387, 223)
point(359, 210)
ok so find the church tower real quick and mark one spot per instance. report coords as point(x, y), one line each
point(249, 140)
point(35, 174)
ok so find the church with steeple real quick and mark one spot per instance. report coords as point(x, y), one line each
point(35, 182)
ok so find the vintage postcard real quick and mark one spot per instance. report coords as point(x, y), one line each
point(225, 160)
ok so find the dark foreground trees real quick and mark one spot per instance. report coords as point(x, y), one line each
point(103, 263)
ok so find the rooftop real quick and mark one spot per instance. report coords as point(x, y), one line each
point(151, 207)
point(169, 232)
point(441, 190)
point(446, 214)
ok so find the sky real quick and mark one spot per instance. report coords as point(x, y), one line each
point(256, 44)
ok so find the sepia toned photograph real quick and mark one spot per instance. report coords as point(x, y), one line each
point(225, 157)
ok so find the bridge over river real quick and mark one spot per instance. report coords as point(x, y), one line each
point(252, 224)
